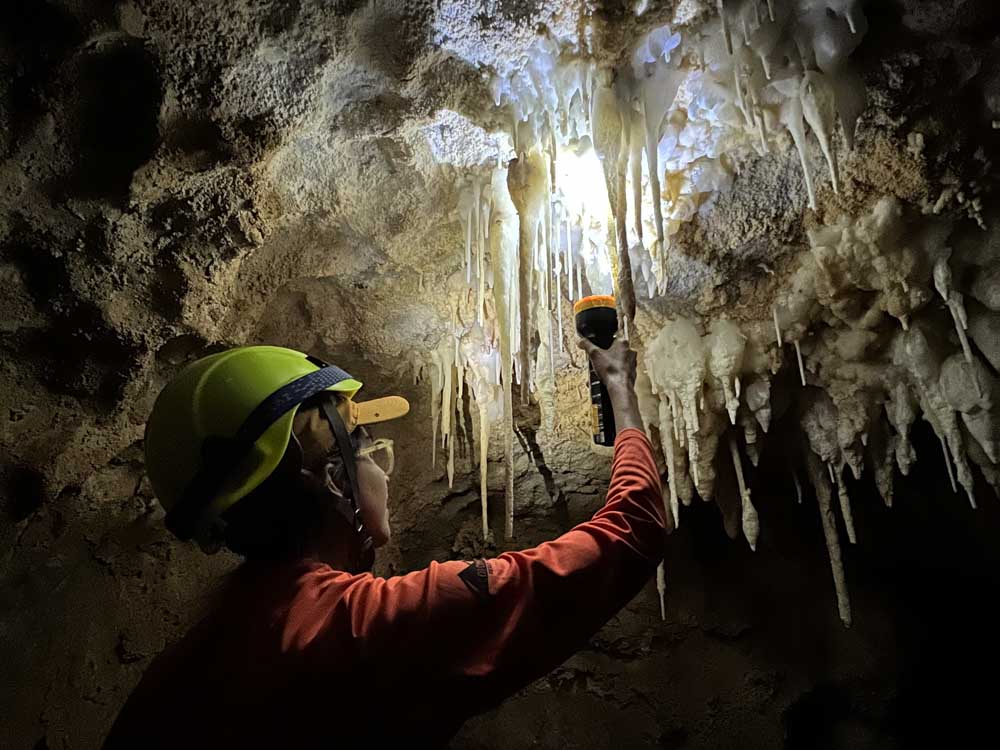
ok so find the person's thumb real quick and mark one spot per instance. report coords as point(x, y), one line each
point(587, 345)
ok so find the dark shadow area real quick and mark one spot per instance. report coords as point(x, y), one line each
point(115, 101)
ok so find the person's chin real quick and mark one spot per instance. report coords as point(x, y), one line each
point(381, 537)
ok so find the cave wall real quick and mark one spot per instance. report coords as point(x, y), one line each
point(178, 177)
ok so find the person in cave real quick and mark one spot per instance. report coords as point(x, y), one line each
point(304, 645)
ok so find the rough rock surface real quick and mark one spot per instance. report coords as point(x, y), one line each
point(176, 177)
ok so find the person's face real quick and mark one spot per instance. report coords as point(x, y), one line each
point(373, 485)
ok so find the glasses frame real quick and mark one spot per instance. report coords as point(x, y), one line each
point(382, 444)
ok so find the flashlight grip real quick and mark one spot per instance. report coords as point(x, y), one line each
point(602, 412)
point(598, 323)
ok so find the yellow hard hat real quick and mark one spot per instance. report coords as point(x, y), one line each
point(222, 426)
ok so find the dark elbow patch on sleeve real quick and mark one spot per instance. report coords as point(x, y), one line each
point(477, 577)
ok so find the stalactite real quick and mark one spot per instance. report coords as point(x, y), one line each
point(573, 295)
point(725, 344)
point(435, 383)
point(820, 109)
point(667, 430)
point(484, 447)
point(750, 521)
point(661, 588)
point(955, 303)
point(791, 68)
point(611, 140)
point(845, 507)
point(725, 25)
point(822, 488)
point(798, 356)
point(527, 186)
point(506, 253)
point(947, 464)
point(791, 117)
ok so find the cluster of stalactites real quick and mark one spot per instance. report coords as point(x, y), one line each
point(788, 64)
point(653, 132)
point(465, 367)
point(881, 338)
point(661, 122)
point(522, 261)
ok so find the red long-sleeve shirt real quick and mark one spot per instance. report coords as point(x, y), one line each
point(308, 656)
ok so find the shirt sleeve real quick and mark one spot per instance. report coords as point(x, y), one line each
point(478, 632)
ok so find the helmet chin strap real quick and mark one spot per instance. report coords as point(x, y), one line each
point(362, 555)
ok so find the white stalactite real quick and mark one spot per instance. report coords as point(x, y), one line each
point(750, 521)
point(845, 508)
point(661, 588)
point(820, 110)
point(798, 356)
point(667, 431)
point(830, 533)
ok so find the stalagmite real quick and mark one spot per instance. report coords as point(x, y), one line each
point(845, 508)
point(819, 482)
point(750, 521)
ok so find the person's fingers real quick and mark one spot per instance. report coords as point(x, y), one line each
point(620, 347)
point(587, 345)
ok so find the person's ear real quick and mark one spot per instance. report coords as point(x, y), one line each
point(320, 481)
point(330, 483)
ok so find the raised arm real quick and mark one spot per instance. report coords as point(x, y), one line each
point(476, 632)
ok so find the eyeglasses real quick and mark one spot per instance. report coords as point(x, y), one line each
point(380, 452)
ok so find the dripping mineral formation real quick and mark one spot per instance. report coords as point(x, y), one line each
point(794, 202)
point(600, 164)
